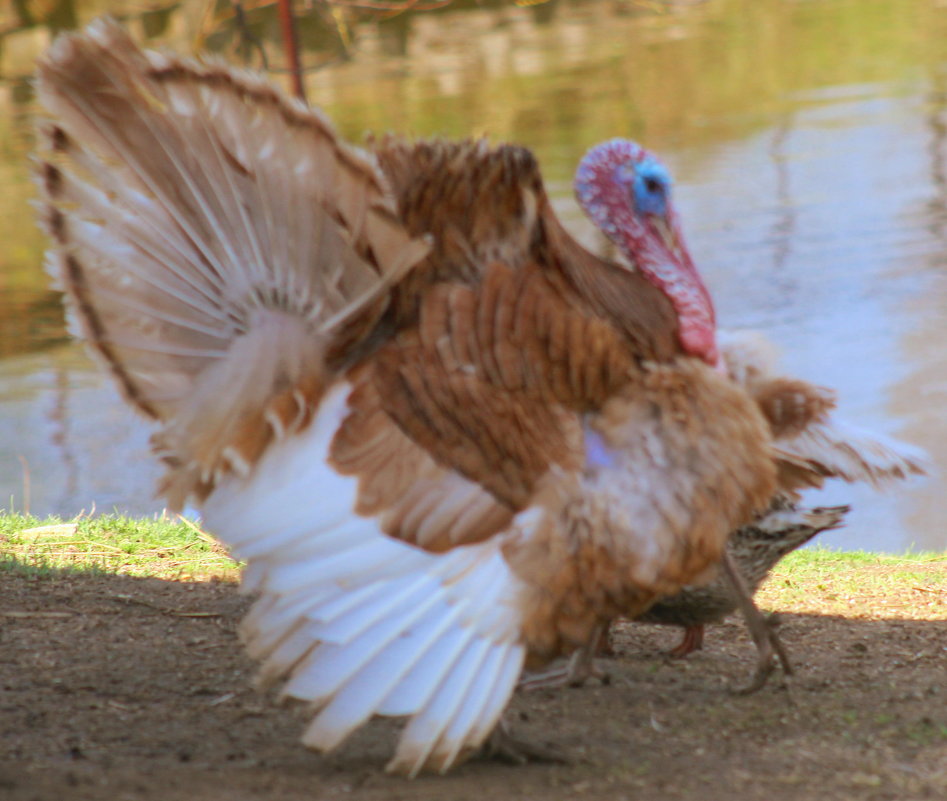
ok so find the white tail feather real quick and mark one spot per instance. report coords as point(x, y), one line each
point(362, 624)
point(424, 732)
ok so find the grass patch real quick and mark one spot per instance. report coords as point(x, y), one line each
point(859, 584)
point(163, 547)
point(814, 580)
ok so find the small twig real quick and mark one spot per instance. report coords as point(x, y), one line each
point(291, 45)
point(393, 9)
point(163, 609)
point(342, 29)
point(656, 724)
point(247, 38)
point(41, 544)
point(210, 540)
point(56, 528)
point(18, 614)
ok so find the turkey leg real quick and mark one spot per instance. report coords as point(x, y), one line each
point(763, 631)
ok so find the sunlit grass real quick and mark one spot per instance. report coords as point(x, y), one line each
point(813, 580)
point(163, 547)
point(859, 584)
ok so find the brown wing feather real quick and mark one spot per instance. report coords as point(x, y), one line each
point(483, 205)
point(492, 379)
point(790, 405)
point(812, 443)
point(418, 499)
point(619, 293)
point(477, 203)
point(489, 384)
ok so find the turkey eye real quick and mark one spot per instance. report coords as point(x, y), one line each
point(652, 185)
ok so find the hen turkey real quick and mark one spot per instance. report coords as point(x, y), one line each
point(755, 548)
point(447, 440)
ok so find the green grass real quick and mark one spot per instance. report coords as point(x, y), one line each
point(164, 547)
point(813, 580)
point(859, 583)
point(826, 558)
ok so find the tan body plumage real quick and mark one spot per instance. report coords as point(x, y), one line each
point(812, 444)
point(447, 440)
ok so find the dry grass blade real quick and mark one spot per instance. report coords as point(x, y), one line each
point(61, 529)
point(131, 599)
point(24, 615)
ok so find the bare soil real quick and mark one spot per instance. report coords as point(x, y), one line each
point(121, 688)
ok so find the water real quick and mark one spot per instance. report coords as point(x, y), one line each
point(809, 141)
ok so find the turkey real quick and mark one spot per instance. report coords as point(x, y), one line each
point(448, 442)
point(813, 444)
point(755, 548)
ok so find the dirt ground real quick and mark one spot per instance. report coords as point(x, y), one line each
point(120, 688)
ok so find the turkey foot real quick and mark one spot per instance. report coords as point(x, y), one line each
point(763, 631)
point(502, 745)
point(693, 640)
point(579, 669)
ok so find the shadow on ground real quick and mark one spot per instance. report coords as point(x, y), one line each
point(121, 688)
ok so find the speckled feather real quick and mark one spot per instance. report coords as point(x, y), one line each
point(756, 548)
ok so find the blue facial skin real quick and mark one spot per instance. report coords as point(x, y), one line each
point(652, 186)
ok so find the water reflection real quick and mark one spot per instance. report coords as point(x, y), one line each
point(808, 140)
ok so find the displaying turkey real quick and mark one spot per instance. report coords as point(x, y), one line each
point(447, 440)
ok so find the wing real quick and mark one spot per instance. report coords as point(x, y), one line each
point(811, 441)
point(479, 401)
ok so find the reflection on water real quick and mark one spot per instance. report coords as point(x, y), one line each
point(810, 145)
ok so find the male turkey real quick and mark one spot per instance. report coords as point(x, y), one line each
point(447, 440)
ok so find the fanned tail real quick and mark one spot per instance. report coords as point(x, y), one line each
point(210, 234)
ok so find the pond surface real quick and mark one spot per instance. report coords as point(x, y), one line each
point(809, 143)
